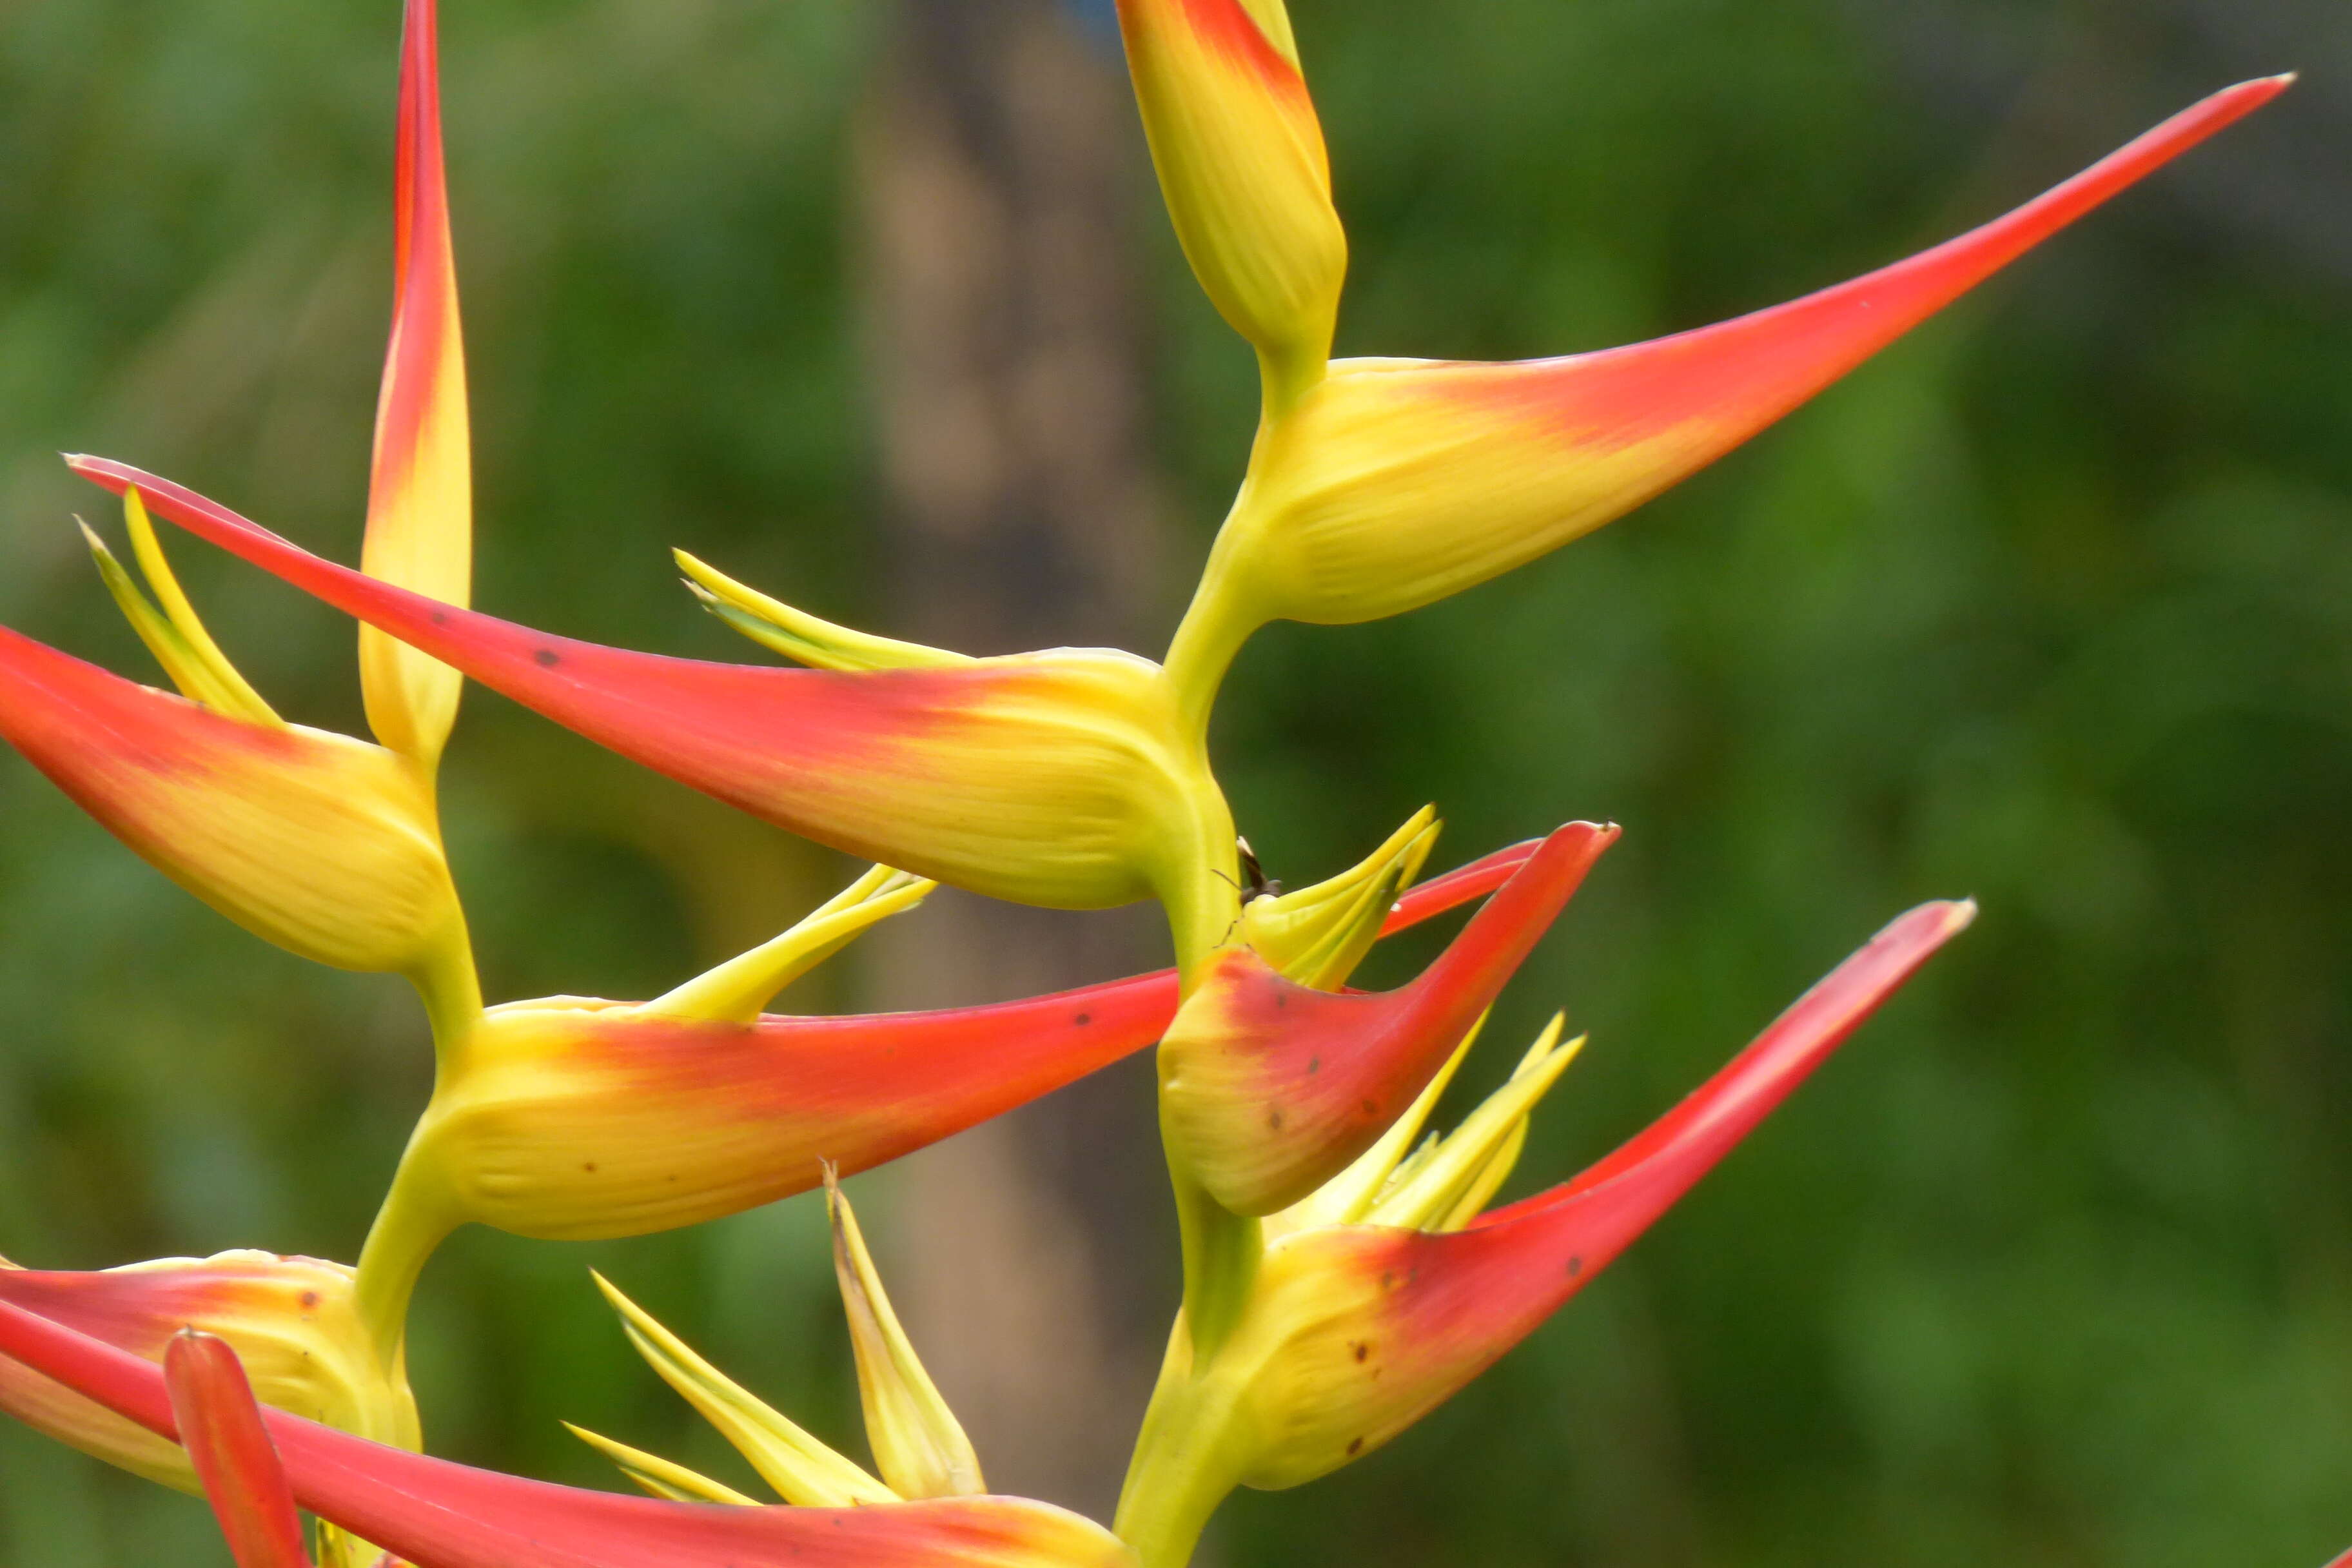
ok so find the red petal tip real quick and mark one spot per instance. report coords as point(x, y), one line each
point(221, 1427)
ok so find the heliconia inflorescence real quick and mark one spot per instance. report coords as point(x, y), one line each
point(1344, 1273)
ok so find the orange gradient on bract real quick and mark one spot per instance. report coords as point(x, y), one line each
point(575, 1118)
point(323, 844)
point(420, 497)
point(1395, 483)
point(1357, 1331)
point(1065, 778)
point(1243, 164)
point(442, 1515)
point(1268, 1088)
point(292, 1320)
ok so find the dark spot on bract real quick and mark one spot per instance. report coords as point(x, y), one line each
point(1355, 1446)
point(310, 1299)
point(1274, 1120)
point(548, 658)
point(1575, 1266)
point(1372, 1109)
point(1281, 999)
point(1314, 1065)
point(1083, 1019)
point(440, 617)
point(1363, 1353)
point(589, 1166)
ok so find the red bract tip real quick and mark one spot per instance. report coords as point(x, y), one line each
point(1394, 483)
point(1037, 778)
point(1751, 371)
point(420, 531)
point(424, 322)
point(1382, 1325)
point(1458, 887)
point(220, 1426)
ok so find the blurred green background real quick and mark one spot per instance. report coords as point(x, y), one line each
point(2051, 604)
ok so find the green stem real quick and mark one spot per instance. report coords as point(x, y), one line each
point(1216, 626)
point(1182, 1471)
point(412, 1224)
point(1222, 1250)
point(408, 1229)
point(450, 987)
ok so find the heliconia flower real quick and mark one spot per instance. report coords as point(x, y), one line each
point(918, 1445)
point(1242, 162)
point(420, 525)
point(294, 1319)
point(220, 1426)
point(1269, 1088)
point(1317, 935)
point(436, 1514)
point(1067, 778)
point(1357, 1329)
point(326, 845)
point(1394, 483)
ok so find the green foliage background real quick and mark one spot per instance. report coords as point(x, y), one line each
point(2052, 605)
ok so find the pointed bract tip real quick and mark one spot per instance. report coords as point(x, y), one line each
point(220, 1424)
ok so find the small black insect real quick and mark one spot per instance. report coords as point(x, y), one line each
point(1255, 881)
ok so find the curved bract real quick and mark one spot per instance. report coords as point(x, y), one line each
point(323, 844)
point(1395, 483)
point(437, 1514)
point(293, 1320)
point(1064, 779)
point(572, 1119)
point(1269, 1088)
point(1358, 1330)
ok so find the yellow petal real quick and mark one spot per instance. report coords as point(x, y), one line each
point(799, 635)
point(659, 1477)
point(739, 989)
point(1346, 1197)
point(1317, 935)
point(918, 1445)
point(1476, 1158)
point(176, 637)
point(802, 1469)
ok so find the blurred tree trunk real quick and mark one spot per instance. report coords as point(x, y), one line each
point(996, 159)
